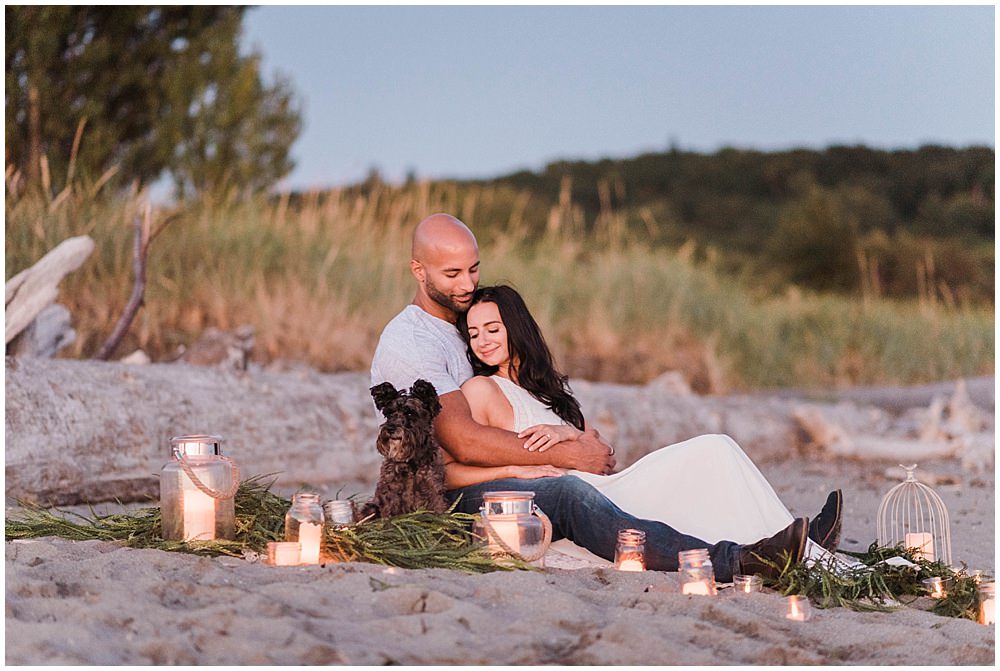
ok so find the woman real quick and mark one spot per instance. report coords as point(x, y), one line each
point(706, 486)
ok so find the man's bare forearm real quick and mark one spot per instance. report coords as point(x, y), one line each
point(476, 445)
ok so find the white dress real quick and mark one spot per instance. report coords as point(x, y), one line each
point(706, 487)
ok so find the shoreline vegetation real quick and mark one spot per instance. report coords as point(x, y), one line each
point(319, 274)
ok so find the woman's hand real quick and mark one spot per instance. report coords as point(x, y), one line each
point(543, 436)
point(532, 472)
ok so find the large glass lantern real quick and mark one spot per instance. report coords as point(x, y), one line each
point(304, 525)
point(197, 490)
point(912, 514)
point(514, 526)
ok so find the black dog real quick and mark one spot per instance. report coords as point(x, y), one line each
point(412, 475)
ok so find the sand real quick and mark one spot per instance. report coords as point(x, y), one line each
point(97, 603)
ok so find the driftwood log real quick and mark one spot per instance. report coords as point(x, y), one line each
point(88, 431)
point(35, 288)
point(81, 431)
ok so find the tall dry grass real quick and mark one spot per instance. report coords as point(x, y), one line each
point(321, 276)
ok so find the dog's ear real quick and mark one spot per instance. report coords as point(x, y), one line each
point(424, 391)
point(384, 394)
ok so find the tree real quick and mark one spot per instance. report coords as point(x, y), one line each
point(142, 90)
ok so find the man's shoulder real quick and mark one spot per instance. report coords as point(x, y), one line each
point(407, 329)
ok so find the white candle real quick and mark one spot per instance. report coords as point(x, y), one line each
point(923, 542)
point(699, 587)
point(309, 539)
point(631, 565)
point(507, 531)
point(284, 553)
point(199, 516)
point(987, 612)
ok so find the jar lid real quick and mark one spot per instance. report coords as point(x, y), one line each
point(508, 503)
point(196, 445)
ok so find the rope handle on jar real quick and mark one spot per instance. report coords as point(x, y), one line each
point(546, 532)
point(233, 487)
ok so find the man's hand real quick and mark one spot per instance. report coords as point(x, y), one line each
point(593, 454)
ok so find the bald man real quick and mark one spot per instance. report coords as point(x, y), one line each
point(422, 341)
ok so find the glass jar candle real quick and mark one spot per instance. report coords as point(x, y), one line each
point(937, 588)
point(512, 525)
point(747, 584)
point(798, 608)
point(697, 573)
point(339, 513)
point(304, 525)
point(630, 552)
point(987, 602)
point(197, 491)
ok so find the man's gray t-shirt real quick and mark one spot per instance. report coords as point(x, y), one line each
point(416, 345)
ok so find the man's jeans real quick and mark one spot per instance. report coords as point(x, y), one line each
point(588, 518)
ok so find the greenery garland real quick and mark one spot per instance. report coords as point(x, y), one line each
point(428, 540)
point(877, 586)
point(415, 540)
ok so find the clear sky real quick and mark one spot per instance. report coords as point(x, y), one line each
point(481, 91)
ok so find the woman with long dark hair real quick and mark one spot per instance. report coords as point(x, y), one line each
point(706, 486)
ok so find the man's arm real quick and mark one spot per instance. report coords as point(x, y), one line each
point(472, 443)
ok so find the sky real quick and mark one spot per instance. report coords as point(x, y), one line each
point(470, 92)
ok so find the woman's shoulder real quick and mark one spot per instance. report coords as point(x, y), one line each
point(487, 402)
point(481, 386)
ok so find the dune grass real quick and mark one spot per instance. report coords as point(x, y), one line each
point(319, 277)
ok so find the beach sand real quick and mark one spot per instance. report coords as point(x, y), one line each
point(97, 603)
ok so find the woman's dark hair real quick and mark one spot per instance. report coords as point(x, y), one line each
point(530, 359)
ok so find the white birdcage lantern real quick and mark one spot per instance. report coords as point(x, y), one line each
point(912, 514)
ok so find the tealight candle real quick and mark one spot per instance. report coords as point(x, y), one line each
point(199, 516)
point(924, 544)
point(283, 553)
point(747, 584)
point(987, 603)
point(799, 608)
point(936, 587)
point(630, 565)
point(700, 587)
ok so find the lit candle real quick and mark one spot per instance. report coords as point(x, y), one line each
point(309, 539)
point(283, 553)
point(199, 516)
point(987, 603)
point(936, 587)
point(700, 587)
point(746, 584)
point(798, 608)
point(924, 544)
point(631, 565)
point(987, 612)
point(508, 532)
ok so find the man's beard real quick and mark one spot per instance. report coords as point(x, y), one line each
point(444, 300)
